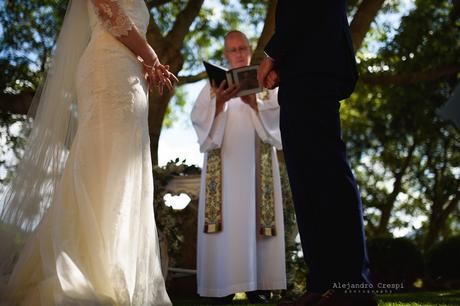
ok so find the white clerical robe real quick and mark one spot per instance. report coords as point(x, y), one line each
point(238, 258)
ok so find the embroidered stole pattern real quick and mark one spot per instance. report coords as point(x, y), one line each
point(265, 197)
point(213, 203)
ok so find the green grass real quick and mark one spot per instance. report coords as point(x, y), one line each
point(441, 298)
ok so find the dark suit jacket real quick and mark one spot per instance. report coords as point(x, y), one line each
point(312, 46)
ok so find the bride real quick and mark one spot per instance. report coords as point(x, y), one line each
point(83, 195)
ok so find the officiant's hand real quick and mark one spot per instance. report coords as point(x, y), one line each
point(267, 75)
point(251, 100)
point(223, 95)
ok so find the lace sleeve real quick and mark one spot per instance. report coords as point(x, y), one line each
point(113, 17)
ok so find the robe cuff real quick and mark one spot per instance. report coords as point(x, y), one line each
point(216, 134)
point(266, 123)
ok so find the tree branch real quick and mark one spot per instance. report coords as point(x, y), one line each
point(157, 3)
point(154, 36)
point(452, 204)
point(398, 176)
point(183, 22)
point(267, 32)
point(438, 218)
point(448, 209)
point(361, 23)
point(186, 79)
point(16, 104)
point(409, 78)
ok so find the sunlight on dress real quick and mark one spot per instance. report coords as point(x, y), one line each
point(97, 243)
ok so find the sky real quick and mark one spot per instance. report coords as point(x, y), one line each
point(180, 140)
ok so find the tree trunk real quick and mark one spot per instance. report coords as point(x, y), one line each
point(157, 109)
point(361, 23)
point(159, 104)
point(439, 214)
point(267, 32)
point(387, 209)
point(16, 103)
point(382, 228)
point(168, 50)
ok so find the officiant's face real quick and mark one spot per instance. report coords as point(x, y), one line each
point(237, 50)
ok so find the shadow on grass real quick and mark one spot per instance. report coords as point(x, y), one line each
point(421, 298)
point(199, 303)
point(440, 298)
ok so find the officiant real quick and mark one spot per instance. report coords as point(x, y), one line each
point(240, 217)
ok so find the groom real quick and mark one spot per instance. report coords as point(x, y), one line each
point(311, 57)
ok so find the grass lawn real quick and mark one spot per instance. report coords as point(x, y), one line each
point(441, 298)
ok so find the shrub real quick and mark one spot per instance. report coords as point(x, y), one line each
point(395, 260)
point(443, 260)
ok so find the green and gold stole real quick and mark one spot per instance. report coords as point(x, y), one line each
point(265, 197)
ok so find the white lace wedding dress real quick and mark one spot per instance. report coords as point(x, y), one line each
point(98, 244)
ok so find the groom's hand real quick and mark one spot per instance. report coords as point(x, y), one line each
point(267, 75)
point(272, 80)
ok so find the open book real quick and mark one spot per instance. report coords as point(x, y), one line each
point(245, 77)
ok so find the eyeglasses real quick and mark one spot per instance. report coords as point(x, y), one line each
point(241, 49)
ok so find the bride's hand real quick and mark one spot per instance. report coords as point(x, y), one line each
point(160, 76)
point(147, 77)
point(166, 77)
point(152, 79)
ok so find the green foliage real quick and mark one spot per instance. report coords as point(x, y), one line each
point(167, 219)
point(439, 298)
point(29, 30)
point(442, 260)
point(206, 36)
point(29, 33)
point(13, 129)
point(394, 261)
point(405, 158)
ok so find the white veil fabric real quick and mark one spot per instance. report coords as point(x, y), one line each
point(30, 193)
